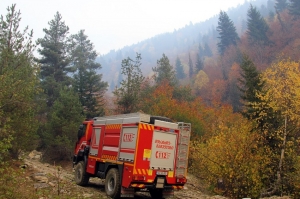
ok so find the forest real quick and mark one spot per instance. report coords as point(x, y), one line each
point(240, 92)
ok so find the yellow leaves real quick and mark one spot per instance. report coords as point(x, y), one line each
point(233, 155)
point(201, 80)
point(283, 87)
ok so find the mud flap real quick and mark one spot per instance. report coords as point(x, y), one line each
point(167, 193)
point(127, 192)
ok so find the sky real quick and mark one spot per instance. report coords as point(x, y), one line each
point(113, 24)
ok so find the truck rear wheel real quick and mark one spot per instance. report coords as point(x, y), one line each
point(81, 177)
point(156, 193)
point(112, 183)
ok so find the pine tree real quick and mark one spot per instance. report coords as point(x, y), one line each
point(164, 71)
point(112, 85)
point(179, 69)
point(251, 86)
point(280, 5)
point(129, 93)
point(294, 8)
point(227, 32)
point(257, 27)
point(64, 119)
point(191, 67)
point(199, 64)
point(88, 83)
point(19, 86)
point(207, 50)
point(200, 51)
point(54, 59)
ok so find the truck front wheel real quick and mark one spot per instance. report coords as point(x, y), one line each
point(81, 177)
point(112, 183)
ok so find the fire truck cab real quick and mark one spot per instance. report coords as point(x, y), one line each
point(133, 152)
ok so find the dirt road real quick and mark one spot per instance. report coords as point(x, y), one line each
point(62, 179)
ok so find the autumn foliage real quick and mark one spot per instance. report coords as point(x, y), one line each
point(228, 151)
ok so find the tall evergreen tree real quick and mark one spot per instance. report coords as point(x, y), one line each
point(227, 32)
point(199, 64)
point(164, 71)
point(257, 27)
point(179, 69)
point(280, 5)
point(191, 67)
point(200, 51)
point(294, 8)
point(112, 85)
point(129, 93)
point(120, 79)
point(19, 86)
point(88, 83)
point(250, 86)
point(207, 50)
point(54, 58)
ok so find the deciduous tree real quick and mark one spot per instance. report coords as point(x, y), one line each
point(230, 160)
point(283, 97)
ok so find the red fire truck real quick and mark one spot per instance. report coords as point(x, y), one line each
point(133, 152)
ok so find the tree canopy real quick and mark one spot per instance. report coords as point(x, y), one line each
point(164, 71)
point(87, 82)
point(19, 86)
point(54, 58)
point(257, 27)
point(227, 32)
point(128, 94)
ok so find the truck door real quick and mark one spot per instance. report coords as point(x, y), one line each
point(95, 141)
point(128, 143)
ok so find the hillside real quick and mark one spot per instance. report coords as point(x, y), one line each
point(179, 43)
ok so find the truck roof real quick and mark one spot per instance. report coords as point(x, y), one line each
point(129, 118)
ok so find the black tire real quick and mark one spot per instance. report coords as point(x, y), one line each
point(81, 177)
point(113, 183)
point(156, 193)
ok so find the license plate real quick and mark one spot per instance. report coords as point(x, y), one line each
point(163, 173)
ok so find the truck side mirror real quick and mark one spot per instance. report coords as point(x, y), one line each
point(80, 132)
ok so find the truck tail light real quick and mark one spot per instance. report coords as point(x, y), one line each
point(181, 180)
point(138, 178)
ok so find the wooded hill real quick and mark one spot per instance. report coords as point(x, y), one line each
point(193, 39)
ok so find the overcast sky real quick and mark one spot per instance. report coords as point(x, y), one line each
point(113, 24)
